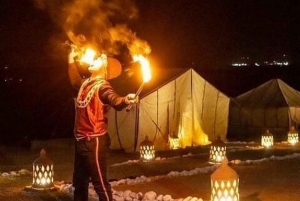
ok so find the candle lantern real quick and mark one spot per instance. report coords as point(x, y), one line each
point(267, 139)
point(217, 151)
point(224, 183)
point(174, 142)
point(147, 151)
point(293, 136)
point(43, 172)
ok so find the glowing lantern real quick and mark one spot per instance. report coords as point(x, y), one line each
point(224, 183)
point(42, 172)
point(217, 151)
point(147, 151)
point(293, 136)
point(267, 139)
point(174, 142)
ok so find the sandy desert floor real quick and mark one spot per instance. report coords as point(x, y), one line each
point(269, 180)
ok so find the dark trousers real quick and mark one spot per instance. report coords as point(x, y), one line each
point(91, 164)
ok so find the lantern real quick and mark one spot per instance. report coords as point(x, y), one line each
point(293, 136)
point(224, 183)
point(147, 151)
point(174, 142)
point(217, 151)
point(42, 172)
point(267, 139)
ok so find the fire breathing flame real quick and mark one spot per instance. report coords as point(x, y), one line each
point(88, 56)
point(145, 64)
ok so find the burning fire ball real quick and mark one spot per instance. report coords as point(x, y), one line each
point(293, 136)
point(147, 151)
point(217, 151)
point(224, 183)
point(267, 139)
point(43, 172)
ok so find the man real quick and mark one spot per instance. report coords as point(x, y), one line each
point(92, 140)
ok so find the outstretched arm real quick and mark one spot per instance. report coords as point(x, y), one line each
point(110, 97)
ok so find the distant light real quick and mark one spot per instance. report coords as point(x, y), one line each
point(239, 64)
point(257, 64)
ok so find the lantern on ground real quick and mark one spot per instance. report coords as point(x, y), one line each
point(43, 172)
point(174, 142)
point(217, 151)
point(147, 151)
point(293, 136)
point(224, 183)
point(267, 139)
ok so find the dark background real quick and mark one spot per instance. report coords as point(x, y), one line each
point(36, 100)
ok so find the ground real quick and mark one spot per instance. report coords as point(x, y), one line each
point(264, 174)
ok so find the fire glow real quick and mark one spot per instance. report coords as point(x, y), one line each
point(146, 73)
point(88, 56)
point(145, 65)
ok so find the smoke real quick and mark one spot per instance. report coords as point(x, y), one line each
point(101, 24)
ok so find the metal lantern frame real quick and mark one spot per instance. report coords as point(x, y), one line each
point(224, 183)
point(267, 139)
point(292, 136)
point(174, 142)
point(147, 150)
point(43, 172)
point(217, 151)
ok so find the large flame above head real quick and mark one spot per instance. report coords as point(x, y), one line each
point(88, 56)
point(145, 64)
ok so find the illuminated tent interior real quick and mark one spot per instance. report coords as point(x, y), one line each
point(273, 105)
point(187, 108)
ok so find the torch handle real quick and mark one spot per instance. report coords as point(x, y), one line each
point(128, 108)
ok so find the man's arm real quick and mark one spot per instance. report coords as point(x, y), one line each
point(110, 97)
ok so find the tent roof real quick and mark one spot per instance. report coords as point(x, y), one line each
point(274, 93)
point(130, 80)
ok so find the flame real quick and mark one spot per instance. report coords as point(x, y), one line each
point(88, 56)
point(145, 64)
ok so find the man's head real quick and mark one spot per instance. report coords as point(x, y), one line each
point(106, 67)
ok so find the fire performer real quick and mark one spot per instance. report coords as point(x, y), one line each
point(92, 140)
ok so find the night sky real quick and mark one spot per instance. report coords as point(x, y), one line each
point(205, 35)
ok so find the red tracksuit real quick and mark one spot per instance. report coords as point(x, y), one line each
point(90, 130)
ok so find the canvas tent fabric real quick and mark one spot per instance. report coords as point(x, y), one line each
point(187, 108)
point(273, 106)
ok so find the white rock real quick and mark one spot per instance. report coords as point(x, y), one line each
point(194, 199)
point(150, 195)
point(126, 193)
point(128, 198)
point(187, 198)
point(167, 198)
point(132, 195)
point(13, 173)
point(140, 195)
point(4, 174)
point(159, 197)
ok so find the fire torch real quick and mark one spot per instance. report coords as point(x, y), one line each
point(146, 72)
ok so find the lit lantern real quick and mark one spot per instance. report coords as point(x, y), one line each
point(293, 136)
point(267, 139)
point(224, 183)
point(147, 151)
point(42, 172)
point(174, 142)
point(217, 151)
